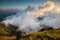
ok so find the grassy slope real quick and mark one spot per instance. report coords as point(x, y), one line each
point(44, 35)
point(52, 34)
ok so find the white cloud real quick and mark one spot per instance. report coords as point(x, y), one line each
point(26, 20)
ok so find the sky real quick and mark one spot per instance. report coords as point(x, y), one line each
point(28, 20)
point(24, 3)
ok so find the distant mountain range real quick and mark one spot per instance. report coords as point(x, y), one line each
point(7, 12)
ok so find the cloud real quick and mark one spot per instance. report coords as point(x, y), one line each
point(27, 19)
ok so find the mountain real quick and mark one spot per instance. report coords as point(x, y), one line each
point(7, 12)
point(8, 33)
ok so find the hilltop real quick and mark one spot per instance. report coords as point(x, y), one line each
point(44, 34)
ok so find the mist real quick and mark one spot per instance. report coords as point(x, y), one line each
point(27, 19)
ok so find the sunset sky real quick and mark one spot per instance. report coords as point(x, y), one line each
point(24, 3)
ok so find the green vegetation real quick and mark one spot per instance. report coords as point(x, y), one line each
point(8, 33)
point(4, 30)
point(44, 35)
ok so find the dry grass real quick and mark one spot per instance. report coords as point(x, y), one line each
point(7, 37)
